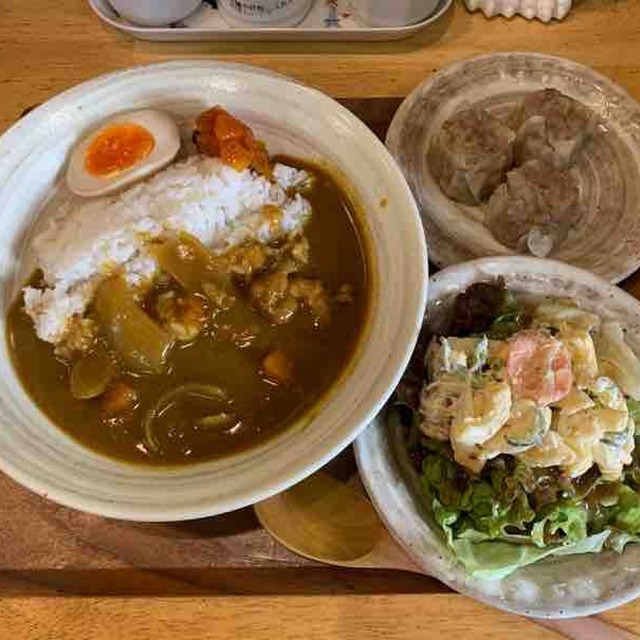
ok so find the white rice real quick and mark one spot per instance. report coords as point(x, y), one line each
point(202, 196)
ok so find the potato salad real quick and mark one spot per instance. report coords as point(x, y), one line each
point(522, 424)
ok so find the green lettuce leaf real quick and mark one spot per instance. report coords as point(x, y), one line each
point(618, 540)
point(495, 506)
point(500, 520)
point(565, 523)
point(473, 535)
point(446, 518)
point(510, 319)
point(494, 560)
point(442, 479)
point(627, 511)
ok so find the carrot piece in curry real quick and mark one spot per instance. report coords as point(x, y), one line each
point(119, 399)
point(278, 368)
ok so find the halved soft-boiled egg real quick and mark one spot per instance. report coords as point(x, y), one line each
point(124, 149)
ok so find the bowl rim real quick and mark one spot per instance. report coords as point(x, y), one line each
point(374, 471)
point(324, 449)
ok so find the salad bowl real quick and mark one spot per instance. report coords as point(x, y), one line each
point(571, 581)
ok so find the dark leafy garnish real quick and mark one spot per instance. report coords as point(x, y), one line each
point(475, 309)
point(400, 411)
point(487, 308)
point(510, 321)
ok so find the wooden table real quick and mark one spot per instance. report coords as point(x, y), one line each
point(224, 577)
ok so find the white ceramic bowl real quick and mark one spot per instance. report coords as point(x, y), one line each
point(552, 588)
point(290, 118)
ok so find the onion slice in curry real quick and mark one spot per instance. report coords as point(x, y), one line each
point(195, 390)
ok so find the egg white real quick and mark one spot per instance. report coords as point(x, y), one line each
point(166, 145)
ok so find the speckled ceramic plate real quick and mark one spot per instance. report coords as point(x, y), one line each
point(607, 239)
point(555, 587)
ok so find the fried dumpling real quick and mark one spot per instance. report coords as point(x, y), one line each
point(537, 203)
point(550, 127)
point(471, 155)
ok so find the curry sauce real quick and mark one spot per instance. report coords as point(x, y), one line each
point(246, 371)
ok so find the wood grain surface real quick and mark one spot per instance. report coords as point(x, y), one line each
point(225, 576)
point(47, 46)
point(375, 617)
point(297, 617)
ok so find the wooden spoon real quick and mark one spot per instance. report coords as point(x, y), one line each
point(326, 520)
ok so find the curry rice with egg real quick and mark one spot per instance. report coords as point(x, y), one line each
point(218, 327)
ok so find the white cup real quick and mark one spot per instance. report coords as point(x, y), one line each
point(155, 13)
point(394, 13)
point(264, 13)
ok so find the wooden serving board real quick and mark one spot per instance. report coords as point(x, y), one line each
point(46, 549)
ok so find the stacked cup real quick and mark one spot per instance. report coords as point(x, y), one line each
point(274, 13)
point(264, 13)
point(394, 13)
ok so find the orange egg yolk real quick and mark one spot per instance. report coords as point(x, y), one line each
point(118, 148)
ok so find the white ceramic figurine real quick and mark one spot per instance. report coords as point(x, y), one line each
point(544, 10)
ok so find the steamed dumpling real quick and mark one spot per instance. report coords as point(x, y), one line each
point(471, 155)
point(535, 198)
point(550, 127)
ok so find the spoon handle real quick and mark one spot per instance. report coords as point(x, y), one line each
point(587, 629)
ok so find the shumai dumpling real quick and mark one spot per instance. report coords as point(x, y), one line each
point(471, 155)
point(537, 203)
point(550, 127)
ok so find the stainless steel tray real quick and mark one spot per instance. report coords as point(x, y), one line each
point(327, 20)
